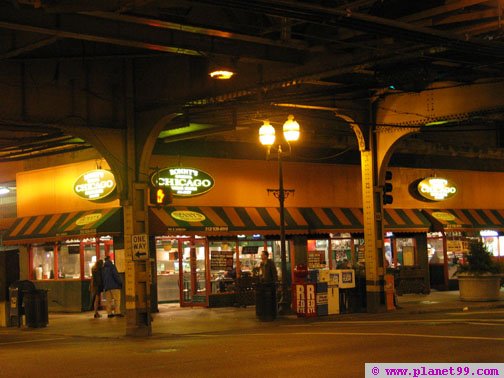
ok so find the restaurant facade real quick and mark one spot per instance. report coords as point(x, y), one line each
point(206, 243)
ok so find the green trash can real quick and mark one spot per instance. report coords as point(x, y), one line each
point(36, 309)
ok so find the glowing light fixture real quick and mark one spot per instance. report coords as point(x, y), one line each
point(267, 134)
point(291, 129)
point(221, 74)
point(267, 138)
point(4, 190)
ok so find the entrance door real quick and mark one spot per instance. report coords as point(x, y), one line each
point(193, 255)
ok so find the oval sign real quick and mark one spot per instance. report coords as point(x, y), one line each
point(188, 216)
point(87, 219)
point(184, 182)
point(442, 216)
point(436, 188)
point(95, 185)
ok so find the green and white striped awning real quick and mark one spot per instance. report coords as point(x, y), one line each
point(211, 220)
point(43, 228)
point(465, 219)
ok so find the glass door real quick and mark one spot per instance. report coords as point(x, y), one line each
point(193, 255)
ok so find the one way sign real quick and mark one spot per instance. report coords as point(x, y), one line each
point(140, 246)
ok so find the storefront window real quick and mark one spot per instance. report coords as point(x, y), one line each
point(435, 252)
point(43, 262)
point(275, 253)
point(406, 253)
point(492, 241)
point(223, 266)
point(194, 270)
point(341, 253)
point(89, 258)
point(167, 258)
point(360, 251)
point(69, 261)
point(91, 255)
point(389, 253)
point(68, 258)
point(318, 253)
point(250, 256)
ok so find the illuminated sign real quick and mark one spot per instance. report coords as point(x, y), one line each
point(442, 216)
point(87, 219)
point(95, 185)
point(489, 233)
point(184, 182)
point(436, 189)
point(188, 216)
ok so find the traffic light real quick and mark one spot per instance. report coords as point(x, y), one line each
point(160, 196)
point(387, 189)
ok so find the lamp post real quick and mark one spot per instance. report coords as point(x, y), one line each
point(267, 138)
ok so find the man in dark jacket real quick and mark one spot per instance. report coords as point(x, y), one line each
point(268, 272)
point(112, 285)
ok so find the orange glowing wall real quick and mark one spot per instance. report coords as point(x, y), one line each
point(244, 183)
point(50, 190)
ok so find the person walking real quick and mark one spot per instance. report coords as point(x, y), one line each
point(96, 286)
point(112, 285)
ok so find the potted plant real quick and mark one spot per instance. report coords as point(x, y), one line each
point(480, 277)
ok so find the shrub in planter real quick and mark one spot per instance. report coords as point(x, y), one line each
point(480, 277)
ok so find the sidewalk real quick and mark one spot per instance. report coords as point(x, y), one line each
point(442, 301)
point(174, 320)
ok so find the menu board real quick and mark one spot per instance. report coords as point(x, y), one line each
point(250, 249)
point(315, 259)
point(221, 260)
point(459, 246)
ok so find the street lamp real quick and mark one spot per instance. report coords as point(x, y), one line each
point(267, 138)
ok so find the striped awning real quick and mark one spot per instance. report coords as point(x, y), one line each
point(465, 219)
point(266, 220)
point(6, 223)
point(405, 220)
point(42, 228)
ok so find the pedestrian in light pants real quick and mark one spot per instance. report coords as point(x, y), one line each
point(113, 306)
point(112, 285)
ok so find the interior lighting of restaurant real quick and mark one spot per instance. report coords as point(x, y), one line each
point(4, 190)
point(267, 137)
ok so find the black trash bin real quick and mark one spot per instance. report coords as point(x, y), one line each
point(37, 314)
point(16, 300)
point(266, 305)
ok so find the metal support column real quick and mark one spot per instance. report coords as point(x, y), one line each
point(376, 146)
point(135, 208)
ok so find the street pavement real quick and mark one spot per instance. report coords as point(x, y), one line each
point(232, 342)
point(174, 320)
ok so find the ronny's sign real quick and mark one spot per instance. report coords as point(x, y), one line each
point(95, 185)
point(184, 182)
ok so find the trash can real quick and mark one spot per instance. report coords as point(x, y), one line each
point(16, 301)
point(36, 308)
point(266, 306)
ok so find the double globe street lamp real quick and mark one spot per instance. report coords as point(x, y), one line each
point(267, 138)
